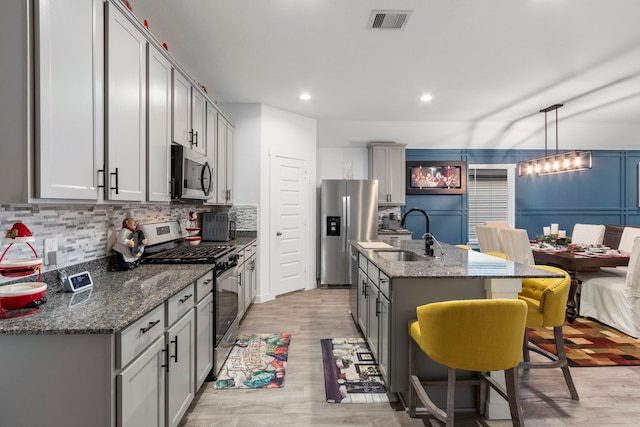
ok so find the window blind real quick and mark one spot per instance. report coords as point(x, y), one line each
point(491, 196)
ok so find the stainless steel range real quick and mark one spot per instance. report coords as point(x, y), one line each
point(166, 246)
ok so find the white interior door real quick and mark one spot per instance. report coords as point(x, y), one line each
point(288, 223)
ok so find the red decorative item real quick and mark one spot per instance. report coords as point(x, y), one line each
point(19, 233)
point(146, 24)
point(164, 45)
point(126, 3)
point(204, 89)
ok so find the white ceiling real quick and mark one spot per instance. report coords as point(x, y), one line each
point(487, 63)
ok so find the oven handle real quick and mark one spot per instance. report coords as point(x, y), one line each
point(228, 272)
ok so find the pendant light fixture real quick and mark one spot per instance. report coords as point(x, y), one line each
point(558, 162)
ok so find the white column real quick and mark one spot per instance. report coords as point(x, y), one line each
point(497, 407)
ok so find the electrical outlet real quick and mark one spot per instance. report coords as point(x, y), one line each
point(50, 251)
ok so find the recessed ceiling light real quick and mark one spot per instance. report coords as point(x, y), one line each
point(426, 97)
point(305, 96)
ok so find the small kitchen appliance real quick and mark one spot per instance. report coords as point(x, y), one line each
point(218, 227)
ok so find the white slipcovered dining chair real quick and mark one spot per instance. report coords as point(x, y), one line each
point(488, 239)
point(587, 234)
point(497, 224)
point(614, 299)
point(515, 243)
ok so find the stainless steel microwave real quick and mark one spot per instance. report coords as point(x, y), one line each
point(191, 177)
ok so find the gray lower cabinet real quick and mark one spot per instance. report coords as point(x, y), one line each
point(180, 372)
point(247, 277)
point(362, 299)
point(141, 389)
point(204, 312)
point(374, 312)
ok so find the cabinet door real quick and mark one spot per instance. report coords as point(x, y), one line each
point(180, 376)
point(229, 164)
point(383, 336)
point(254, 276)
point(127, 106)
point(372, 315)
point(198, 140)
point(378, 170)
point(69, 98)
point(212, 144)
point(181, 114)
point(141, 389)
point(159, 129)
point(204, 339)
point(362, 301)
point(396, 175)
point(242, 289)
point(221, 173)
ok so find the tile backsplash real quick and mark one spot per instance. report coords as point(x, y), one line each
point(87, 232)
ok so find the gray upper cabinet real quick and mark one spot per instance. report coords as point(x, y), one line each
point(88, 103)
point(225, 162)
point(189, 115)
point(159, 129)
point(51, 109)
point(126, 109)
point(387, 165)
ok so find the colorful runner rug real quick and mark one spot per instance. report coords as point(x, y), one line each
point(350, 373)
point(256, 361)
point(590, 343)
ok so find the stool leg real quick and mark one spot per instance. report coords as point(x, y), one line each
point(451, 396)
point(412, 397)
point(525, 346)
point(562, 357)
point(511, 382)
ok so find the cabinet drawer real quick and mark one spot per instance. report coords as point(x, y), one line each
point(131, 341)
point(204, 286)
point(180, 303)
point(362, 262)
point(372, 272)
point(383, 284)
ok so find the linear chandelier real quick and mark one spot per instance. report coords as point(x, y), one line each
point(556, 163)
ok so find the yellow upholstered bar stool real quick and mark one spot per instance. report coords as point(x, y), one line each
point(473, 335)
point(467, 247)
point(547, 303)
point(498, 254)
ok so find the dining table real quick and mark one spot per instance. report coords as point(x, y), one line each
point(575, 262)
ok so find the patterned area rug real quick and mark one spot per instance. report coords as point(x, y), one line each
point(350, 373)
point(590, 343)
point(256, 361)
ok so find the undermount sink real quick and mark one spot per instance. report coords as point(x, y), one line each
point(400, 255)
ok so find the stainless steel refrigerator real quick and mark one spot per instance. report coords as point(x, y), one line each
point(348, 212)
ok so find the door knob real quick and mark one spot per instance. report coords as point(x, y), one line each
point(279, 233)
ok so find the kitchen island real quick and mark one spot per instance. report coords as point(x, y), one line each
point(392, 282)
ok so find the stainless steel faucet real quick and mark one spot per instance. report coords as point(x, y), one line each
point(428, 237)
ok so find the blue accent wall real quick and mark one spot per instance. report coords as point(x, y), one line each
point(605, 194)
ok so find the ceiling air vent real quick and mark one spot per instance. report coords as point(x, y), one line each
point(389, 19)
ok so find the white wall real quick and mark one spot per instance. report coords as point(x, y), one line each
point(270, 131)
point(331, 163)
point(247, 119)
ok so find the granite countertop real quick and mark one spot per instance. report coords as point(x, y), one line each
point(450, 262)
point(117, 298)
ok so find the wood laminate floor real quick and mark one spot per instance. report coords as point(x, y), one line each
point(609, 396)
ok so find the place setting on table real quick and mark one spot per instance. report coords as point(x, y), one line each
point(555, 248)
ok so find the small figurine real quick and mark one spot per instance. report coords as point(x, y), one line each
point(130, 243)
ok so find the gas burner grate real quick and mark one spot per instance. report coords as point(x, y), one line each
point(189, 254)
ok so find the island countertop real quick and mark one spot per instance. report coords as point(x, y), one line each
point(448, 262)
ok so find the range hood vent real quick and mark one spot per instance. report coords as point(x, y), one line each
point(388, 19)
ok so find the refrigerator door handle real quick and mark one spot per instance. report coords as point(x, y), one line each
point(346, 206)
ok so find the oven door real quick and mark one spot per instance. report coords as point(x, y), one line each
point(226, 315)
